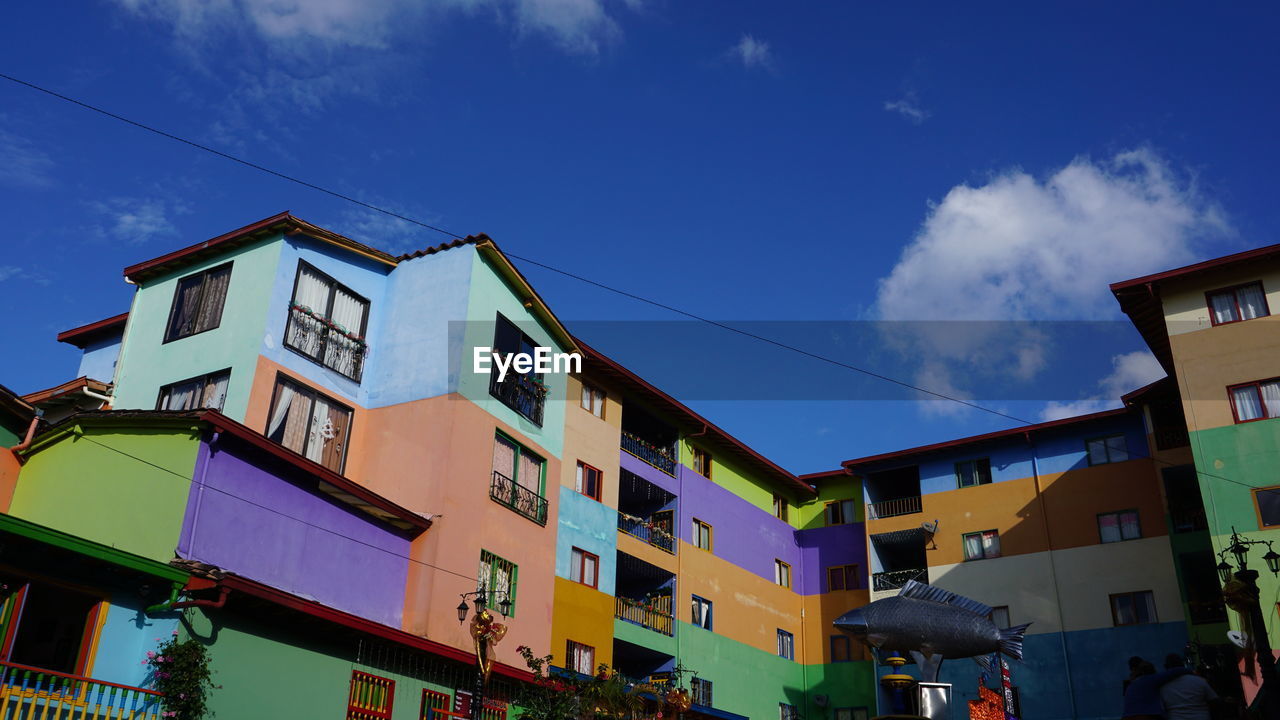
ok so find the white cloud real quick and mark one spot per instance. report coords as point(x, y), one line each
point(1130, 371)
point(22, 163)
point(8, 271)
point(908, 107)
point(577, 26)
point(388, 233)
point(136, 220)
point(752, 53)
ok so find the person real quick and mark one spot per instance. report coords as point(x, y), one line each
point(1186, 697)
point(1142, 694)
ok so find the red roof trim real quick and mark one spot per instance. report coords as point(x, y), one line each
point(824, 475)
point(324, 612)
point(1199, 267)
point(40, 396)
point(86, 334)
point(975, 439)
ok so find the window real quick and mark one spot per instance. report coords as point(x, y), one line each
point(701, 691)
point(327, 322)
point(1255, 401)
point(523, 392)
point(780, 507)
point(497, 577)
point(1135, 608)
point(518, 477)
point(580, 658)
point(310, 424)
point(787, 712)
point(841, 512)
point(587, 481)
point(851, 713)
point(842, 577)
point(206, 391)
point(782, 573)
point(702, 612)
point(981, 545)
point(54, 626)
point(433, 702)
point(197, 303)
point(999, 616)
point(973, 472)
point(1107, 450)
point(593, 400)
point(1117, 526)
point(841, 651)
point(701, 535)
point(786, 645)
point(702, 462)
point(1267, 503)
point(370, 697)
point(1243, 302)
point(584, 567)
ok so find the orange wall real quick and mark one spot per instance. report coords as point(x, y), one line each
point(592, 440)
point(745, 606)
point(9, 469)
point(820, 612)
point(1075, 498)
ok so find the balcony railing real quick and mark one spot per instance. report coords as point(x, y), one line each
point(893, 508)
point(654, 614)
point(1168, 439)
point(660, 458)
point(1188, 520)
point(648, 531)
point(520, 499)
point(28, 693)
point(895, 579)
point(520, 393)
point(331, 346)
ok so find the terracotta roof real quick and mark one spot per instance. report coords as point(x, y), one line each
point(94, 331)
point(71, 386)
point(596, 362)
point(977, 439)
point(468, 240)
point(327, 481)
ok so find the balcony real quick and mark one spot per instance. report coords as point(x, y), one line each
point(653, 613)
point(521, 499)
point(28, 692)
point(647, 530)
point(1188, 520)
point(659, 457)
point(896, 579)
point(521, 393)
point(325, 342)
point(893, 508)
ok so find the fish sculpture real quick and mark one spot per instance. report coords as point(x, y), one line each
point(931, 624)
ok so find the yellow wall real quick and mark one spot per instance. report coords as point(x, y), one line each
point(592, 440)
point(583, 615)
point(1209, 360)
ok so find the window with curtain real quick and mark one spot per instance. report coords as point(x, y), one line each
point(313, 425)
point(1107, 450)
point(782, 573)
point(327, 322)
point(518, 477)
point(840, 512)
point(1117, 526)
point(584, 567)
point(702, 462)
point(854, 713)
point(581, 658)
point(701, 612)
point(1255, 401)
point(1243, 302)
point(205, 391)
point(593, 400)
point(981, 545)
point(587, 481)
point(786, 645)
point(701, 535)
point(701, 691)
point(973, 472)
point(787, 712)
point(498, 577)
point(780, 507)
point(524, 393)
point(1134, 608)
point(197, 303)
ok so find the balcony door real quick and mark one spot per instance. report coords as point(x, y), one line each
point(48, 626)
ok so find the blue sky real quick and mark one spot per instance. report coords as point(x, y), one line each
point(789, 166)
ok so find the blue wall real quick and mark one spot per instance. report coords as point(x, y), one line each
point(99, 359)
point(592, 526)
point(127, 635)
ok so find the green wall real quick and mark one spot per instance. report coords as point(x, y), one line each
point(147, 362)
point(745, 485)
point(813, 513)
point(8, 438)
point(95, 486)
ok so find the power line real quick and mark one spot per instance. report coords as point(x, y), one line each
point(580, 278)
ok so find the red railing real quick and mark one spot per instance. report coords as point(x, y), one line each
point(31, 693)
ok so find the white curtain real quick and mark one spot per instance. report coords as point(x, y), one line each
point(485, 571)
point(1247, 405)
point(1224, 307)
point(182, 397)
point(575, 567)
point(321, 432)
point(348, 313)
point(215, 393)
point(589, 569)
point(1109, 528)
point(1129, 528)
point(1271, 398)
point(504, 457)
point(972, 547)
point(312, 293)
point(1252, 302)
point(184, 315)
point(284, 399)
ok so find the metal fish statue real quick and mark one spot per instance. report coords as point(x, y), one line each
point(930, 621)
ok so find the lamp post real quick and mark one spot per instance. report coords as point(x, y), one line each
point(480, 603)
point(1239, 547)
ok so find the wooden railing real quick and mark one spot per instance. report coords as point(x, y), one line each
point(654, 614)
point(893, 508)
point(661, 458)
point(519, 498)
point(30, 693)
point(894, 580)
point(648, 531)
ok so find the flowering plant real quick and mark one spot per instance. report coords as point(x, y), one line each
point(180, 670)
point(566, 695)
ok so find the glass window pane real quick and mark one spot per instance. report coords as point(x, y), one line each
point(1271, 398)
point(1144, 607)
point(991, 544)
point(1109, 528)
point(964, 474)
point(1097, 452)
point(982, 471)
point(575, 566)
point(1117, 449)
point(1268, 506)
point(1122, 606)
point(1247, 402)
point(1224, 307)
point(1129, 528)
point(972, 546)
point(1252, 302)
point(589, 570)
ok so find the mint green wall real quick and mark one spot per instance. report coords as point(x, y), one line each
point(105, 494)
point(147, 362)
point(489, 295)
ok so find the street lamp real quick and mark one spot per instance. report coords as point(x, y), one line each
point(1239, 548)
point(480, 602)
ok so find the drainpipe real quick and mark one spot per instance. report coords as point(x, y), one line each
point(26, 440)
point(106, 399)
point(193, 584)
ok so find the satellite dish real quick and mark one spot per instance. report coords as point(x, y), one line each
point(1237, 638)
point(930, 529)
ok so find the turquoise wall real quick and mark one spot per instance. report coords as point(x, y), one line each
point(127, 635)
point(592, 526)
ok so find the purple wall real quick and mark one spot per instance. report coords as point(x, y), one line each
point(302, 551)
point(648, 472)
point(825, 547)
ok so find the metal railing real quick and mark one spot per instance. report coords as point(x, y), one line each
point(1168, 439)
point(895, 579)
point(520, 393)
point(660, 458)
point(1188, 520)
point(30, 693)
point(893, 508)
point(520, 499)
point(654, 614)
point(312, 336)
point(647, 531)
